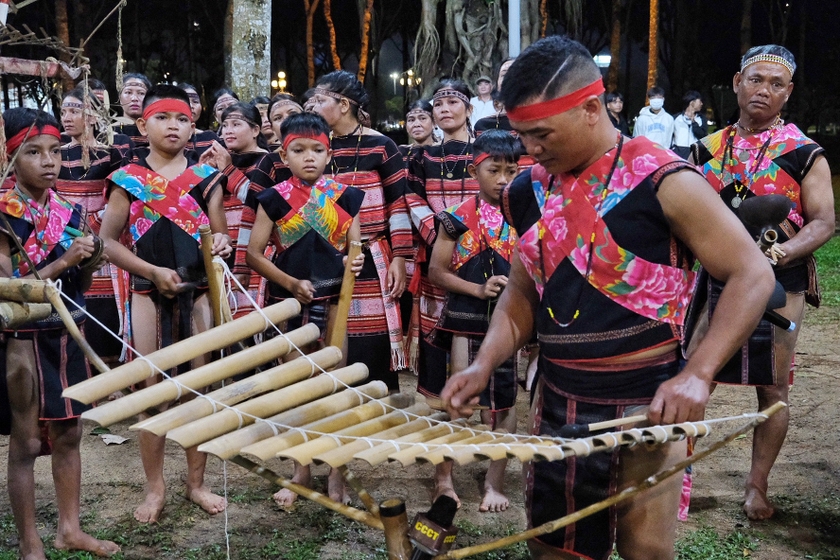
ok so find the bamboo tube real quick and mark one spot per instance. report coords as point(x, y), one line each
point(54, 296)
point(23, 291)
point(272, 379)
point(215, 274)
point(395, 520)
point(338, 332)
point(625, 494)
point(228, 445)
point(356, 486)
point(304, 452)
point(182, 351)
point(268, 448)
point(13, 314)
point(408, 456)
point(496, 451)
point(228, 420)
point(317, 497)
point(344, 454)
point(379, 453)
point(474, 453)
point(436, 456)
point(167, 390)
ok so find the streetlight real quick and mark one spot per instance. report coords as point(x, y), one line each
point(394, 76)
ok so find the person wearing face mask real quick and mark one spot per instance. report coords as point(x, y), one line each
point(654, 123)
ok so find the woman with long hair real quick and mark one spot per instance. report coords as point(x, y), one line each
point(201, 139)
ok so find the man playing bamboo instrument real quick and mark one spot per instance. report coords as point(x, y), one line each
point(603, 273)
point(761, 155)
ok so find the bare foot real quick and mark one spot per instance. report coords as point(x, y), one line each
point(149, 511)
point(756, 505)
point(207, 500)
point(83, 541)
point(337, 488)
point(493, 501)
point(443, 486)
point(285, 498)
point(32, 551)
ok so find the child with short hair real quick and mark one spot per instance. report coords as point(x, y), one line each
point(41, 360)
point(312, 220)
point(159, 202)
point(471, 261)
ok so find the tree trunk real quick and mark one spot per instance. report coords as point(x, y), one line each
point(227, 41)
point(363, 55)
point(427, 44)
point(543, 16)
point(331, 27)
point(251, 48)
point(746, 26)
point(615, 47)
point(62, 29)
point(310, 6)
point(800, 59)
point(653, 46)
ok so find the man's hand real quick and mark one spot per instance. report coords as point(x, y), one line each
point(681, 399)
point(81, 248)
point(167, 281)
point(221, 245)
point(303, 291)
point(493, 287)
point(396, 278)
point(461, 391)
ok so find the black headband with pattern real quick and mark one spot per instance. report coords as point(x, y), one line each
point(449, 92)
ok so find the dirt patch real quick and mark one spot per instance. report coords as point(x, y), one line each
point(804, 485)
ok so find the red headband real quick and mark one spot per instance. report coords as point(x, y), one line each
point(479, 158)
point(15, 141)
point(556, 106)
point(168, 105)
point(322, 138)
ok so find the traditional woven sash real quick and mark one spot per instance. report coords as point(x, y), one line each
point(652, 290)
point(159, 197)
point(487, 228)
point(51, 227)
point(313, 208)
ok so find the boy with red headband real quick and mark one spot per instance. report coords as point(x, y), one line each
point(471, 262)
point(312, 220)
point(41, 360)
point(158, 203)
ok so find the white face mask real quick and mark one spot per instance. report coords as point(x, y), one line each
point(656, 103)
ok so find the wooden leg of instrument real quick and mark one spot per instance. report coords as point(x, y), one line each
point(347, 511)
point(394, 518)
point(338, 332)
point(357, 487)
point(54, 296)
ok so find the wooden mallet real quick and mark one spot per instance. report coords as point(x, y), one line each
point(572, 431)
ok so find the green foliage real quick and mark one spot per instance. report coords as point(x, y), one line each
point(706, 544)
point(828, 267)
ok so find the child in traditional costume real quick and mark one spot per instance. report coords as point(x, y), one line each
point(312, 220)
point(471, 262)
point(157, 205)
point(42, 231)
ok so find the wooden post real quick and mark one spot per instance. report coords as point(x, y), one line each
point(653, 46)
point(395, 520)
point(215, 279)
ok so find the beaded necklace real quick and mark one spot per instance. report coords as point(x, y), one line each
point(729, 158)
point(334, 167)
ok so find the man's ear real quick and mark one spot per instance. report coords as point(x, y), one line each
point(736, 82)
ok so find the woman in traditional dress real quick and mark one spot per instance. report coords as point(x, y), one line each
point(201, 139)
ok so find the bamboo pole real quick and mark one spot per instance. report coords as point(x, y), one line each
point(215, 275)
point(436, 456)
point(228, 445)
point(394, 518)
point(344, 454)
point(13, 314)
point(379, 453)
point(356, 486)
point(625, 494)
point(168, 390)
point(272, 379)
point(338, 331)
point(23, 291)
point(304, 452)
point(408, 456)
point(216, 338)
point(268, 448)
point(54, 297)
point(472, 453)
point(347, 511)
point(203, 429)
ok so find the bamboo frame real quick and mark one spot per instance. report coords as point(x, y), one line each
point(338, 331)
point(13, 315)
point(119, 378)
point(215, 279)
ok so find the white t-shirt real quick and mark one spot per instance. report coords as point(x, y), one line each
point(481, 109)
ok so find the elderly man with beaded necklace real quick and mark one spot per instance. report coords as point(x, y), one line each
point(603, 273)
point(761, 155)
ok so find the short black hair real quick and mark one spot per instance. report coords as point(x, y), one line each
point(655, 90)
point(252, 114)
point(304, 123)
point(690, 96)
point(345, 83)
point(92, 83)
point(185, 86)
point(20, 118)
point(498, 144)
point(164, 91)
point(79, 93)
point(547, 69)
point(137, 76)
point(612, 96)
point(260, 100)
